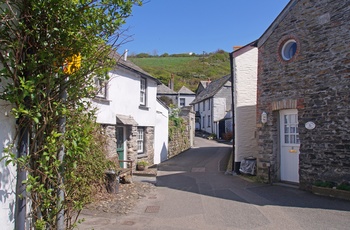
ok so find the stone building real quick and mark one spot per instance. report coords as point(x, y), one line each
point(303, 107)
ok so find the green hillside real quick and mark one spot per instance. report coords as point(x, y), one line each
point(187, 70)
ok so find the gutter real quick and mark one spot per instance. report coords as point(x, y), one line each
point(235, 165)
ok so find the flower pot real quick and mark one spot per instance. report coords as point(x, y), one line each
point(141, 167)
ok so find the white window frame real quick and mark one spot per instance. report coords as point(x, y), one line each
point(101, 88)
point(184, 102)
point(288, 50)
point(140, 140)
point(143, 91)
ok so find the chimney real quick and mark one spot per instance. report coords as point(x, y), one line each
point(125, 56)
point(236, 48)
point(171, 82)
point(208, 82)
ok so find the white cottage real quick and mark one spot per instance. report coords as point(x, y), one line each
point(134, 120)
point(245, 72)
point(8, 173)
point(213, 105)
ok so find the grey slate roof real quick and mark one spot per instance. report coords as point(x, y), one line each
point(163, 89)
point(130, 66)
point(185, 90)
point(211, 89)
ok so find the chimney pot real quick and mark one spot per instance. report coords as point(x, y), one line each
point(125, 56)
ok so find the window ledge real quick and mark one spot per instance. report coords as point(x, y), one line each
point(143, 107)
point(141, 155)
point(101, 99)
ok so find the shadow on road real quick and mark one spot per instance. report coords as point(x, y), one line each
point(202, 171)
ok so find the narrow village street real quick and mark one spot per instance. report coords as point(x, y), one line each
point(193, 192)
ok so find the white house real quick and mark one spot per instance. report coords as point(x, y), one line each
point(245, 69)
point(134, 120)
point(8, 174)
point(185, 97)
point(212, 105)
point(182, 98)
point(161, 133)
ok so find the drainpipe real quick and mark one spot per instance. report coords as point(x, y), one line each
point(61, 154)
point(21, 195)
point(235, 167)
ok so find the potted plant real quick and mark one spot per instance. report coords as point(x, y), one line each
point(141, 165)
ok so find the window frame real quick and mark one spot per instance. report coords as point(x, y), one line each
point(101, 87)
point(184, 102)
point(143, 91)
point(140, 148)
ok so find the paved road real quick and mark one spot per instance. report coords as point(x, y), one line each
point(193, 192)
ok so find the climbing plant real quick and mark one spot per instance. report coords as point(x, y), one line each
point(50, 53)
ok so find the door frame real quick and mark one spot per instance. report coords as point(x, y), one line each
point(282, 146)
point(124, 155)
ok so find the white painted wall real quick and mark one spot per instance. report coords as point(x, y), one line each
point(245, 93)
point(188, 99)
point(220, 110)
point(206, 111)
point(161, 134)
point(123, 97)
point(7, 173)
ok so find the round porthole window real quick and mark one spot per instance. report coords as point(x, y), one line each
point(289, 49)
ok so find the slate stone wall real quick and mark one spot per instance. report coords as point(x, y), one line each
point(180, 139)
point(131, 143)
point(316, 81)
point(111, 142)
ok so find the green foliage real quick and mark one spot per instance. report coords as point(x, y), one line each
point(187, 69)
point(325, 184)
point(176, 123)
point(142, 163)
point(38, 41)
point(344, 186)
point(328, 184)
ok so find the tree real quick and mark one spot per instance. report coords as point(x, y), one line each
point(50, 49)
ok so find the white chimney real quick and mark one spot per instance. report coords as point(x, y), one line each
point(125, 56)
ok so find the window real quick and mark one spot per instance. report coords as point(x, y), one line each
point(203, 105)
point(143, 91)
point(203, 125)
point(100, 88)
point(209, 121)
point(182, 102)
point(140, 140)
point(209, 104)
point(291, 130)
point(289, 49)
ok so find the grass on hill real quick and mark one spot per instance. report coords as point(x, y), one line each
point(187, 70)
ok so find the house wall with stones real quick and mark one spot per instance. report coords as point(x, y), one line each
point(130, 143)
point(182, 138)
point(316, 82)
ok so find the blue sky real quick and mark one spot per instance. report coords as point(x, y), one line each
point(183, 26)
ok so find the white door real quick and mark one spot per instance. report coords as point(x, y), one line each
point(290, 144)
